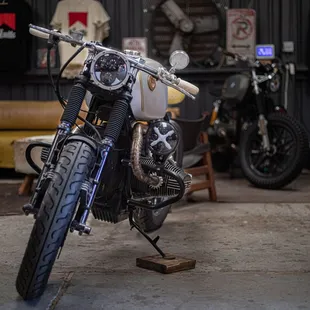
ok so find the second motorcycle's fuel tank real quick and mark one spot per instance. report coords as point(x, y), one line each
point(236, 87)
point(150, 97)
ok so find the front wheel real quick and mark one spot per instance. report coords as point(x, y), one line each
point(53, 220)
point(285, 160)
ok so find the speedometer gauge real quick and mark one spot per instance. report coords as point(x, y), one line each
point(109, 70)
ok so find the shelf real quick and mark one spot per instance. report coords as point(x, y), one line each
point(42, 72)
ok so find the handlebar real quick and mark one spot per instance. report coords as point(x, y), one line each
point(188, 87)
point(39, 34)
point(161, 73)
point(240, 57)
point(276, 66)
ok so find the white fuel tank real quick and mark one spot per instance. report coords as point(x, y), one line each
point(150, 97)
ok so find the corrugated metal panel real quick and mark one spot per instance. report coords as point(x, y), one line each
point(277, 20)
point(302, 100)
point(125, 21)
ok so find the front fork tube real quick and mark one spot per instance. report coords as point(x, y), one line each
point(111, 135)
point(262, 121)
point(108, 144)
point(215, 111)
point(262, 124)
point(46, 173)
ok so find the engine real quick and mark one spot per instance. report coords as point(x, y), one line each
point(157, 174)
point(110, 201)
point(152, 173)
point(170, 178)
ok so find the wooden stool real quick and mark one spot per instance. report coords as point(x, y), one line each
point(205, 170)
point(196, 148)
point(25, 188)
point(21, 164)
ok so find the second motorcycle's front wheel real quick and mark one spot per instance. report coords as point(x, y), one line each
point(53, 220)
point(283, 163)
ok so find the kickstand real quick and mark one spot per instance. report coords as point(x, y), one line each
point(153, 242)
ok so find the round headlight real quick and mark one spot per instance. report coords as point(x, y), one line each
point(109, 70)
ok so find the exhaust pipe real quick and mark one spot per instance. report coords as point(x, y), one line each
point(152, 180)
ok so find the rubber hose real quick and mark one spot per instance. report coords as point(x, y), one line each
point(116, 120)
point(74, 104)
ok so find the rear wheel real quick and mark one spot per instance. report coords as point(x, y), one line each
point(54, 219)
point(307, 150)
point(285, 161)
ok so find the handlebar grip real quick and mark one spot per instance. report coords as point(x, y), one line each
point(39, 34)
point(189, 87)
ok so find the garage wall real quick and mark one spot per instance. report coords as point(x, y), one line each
point(35, 84)
point(278, 20)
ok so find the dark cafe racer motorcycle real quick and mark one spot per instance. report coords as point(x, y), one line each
point(121, 164)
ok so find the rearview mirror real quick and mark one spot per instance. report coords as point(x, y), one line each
point(179, 60)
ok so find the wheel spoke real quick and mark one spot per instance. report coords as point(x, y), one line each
point(259, 161)
point(277, 135)
point(287, 148)
point(277, 164)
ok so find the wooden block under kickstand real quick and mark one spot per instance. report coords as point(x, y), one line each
point(170, 264)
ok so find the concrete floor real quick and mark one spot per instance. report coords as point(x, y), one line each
point(249, 256)
point(237, 190)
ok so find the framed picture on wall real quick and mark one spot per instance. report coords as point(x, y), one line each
point(42, 58)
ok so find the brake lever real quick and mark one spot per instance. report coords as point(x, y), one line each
point(170, 79)
point(181, 90)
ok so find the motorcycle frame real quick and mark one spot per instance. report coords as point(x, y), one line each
point(257, 100)
point(64, 134)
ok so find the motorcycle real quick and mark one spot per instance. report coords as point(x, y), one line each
point(272, 146)
point(123, 163)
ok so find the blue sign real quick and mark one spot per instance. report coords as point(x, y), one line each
point(265, 51)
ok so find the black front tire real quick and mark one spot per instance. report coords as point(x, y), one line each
point(294, 166)
point(53, 219)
